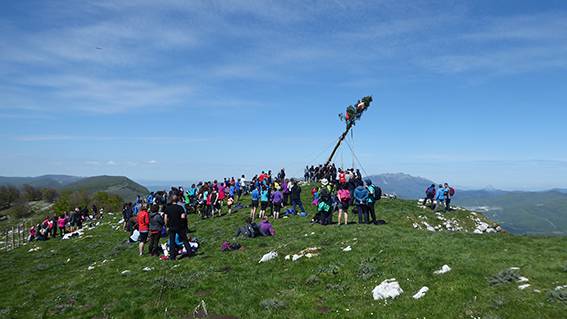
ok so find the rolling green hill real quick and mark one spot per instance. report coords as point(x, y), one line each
point(99, 275)
point(119, 185)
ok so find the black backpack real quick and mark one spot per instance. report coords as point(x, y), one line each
point(376, 194)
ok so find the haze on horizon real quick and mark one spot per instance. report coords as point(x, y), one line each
point(470, 92)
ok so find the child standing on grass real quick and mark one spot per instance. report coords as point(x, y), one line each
point(229, 203)
point(156, 225)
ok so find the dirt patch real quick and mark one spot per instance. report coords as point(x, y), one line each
point(323, 309)
point(225, 269)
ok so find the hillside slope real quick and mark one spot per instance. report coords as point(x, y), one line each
point(119, 185)
point(82, 277)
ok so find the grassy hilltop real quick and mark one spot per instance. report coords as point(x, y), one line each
point(56, 282)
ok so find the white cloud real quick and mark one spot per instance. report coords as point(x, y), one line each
point(151, 162)
point(111, 163)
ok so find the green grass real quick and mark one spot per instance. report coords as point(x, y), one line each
point(334, 284)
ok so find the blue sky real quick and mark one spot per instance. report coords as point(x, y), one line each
point(472, 92)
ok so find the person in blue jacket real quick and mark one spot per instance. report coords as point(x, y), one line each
point(440, 195)
point(361, 201)
point(255, 195)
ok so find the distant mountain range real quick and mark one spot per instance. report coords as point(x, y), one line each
point(119, 185)
point(403, 185)
point(543, 213)
point(45, 181)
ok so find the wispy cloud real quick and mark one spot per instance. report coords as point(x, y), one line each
point(148, 139)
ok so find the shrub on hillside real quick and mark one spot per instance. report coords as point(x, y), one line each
point(69, 200)
point(8, 196)
point(49, 195)
point(31, 193)
point(109, 202)
point(21, 208)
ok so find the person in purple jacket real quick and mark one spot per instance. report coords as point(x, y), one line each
point(277, 200)
point(265, 228)
point(285, 191)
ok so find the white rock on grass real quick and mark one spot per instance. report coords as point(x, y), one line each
point(429, 227)
point(125, 272)
point(348, 248)
point(421, 293)
point(444, 269)
point(287, 257)
point(269, 256)
point(147, 269)
point(522, 279)
point(388, 289)
point(33, 249)
point(522, 287)
point(91, 268)
point(307, 252)
point(560, 287)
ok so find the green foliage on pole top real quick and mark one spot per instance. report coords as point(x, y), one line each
point(353, 113)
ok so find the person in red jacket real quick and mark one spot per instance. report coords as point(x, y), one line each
point(143, 226)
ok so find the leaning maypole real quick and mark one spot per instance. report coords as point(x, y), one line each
point(351, 116)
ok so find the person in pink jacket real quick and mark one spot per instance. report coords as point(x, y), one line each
point(61, 221)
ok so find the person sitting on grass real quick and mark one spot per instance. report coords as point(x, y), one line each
point(266, 228)
point(32, 233)
point(248, 230)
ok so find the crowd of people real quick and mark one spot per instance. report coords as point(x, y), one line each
point(56, 226)
point(164, 214)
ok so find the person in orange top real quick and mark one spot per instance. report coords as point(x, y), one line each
point(143, 226)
